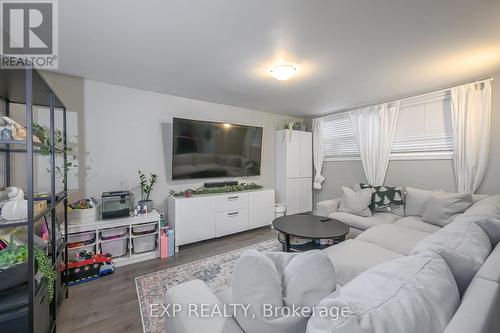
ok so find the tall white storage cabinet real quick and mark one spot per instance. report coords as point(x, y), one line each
point(294, 170)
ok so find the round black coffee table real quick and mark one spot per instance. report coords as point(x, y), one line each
point(310, 226)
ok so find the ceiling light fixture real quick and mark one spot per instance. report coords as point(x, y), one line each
point(283, 72)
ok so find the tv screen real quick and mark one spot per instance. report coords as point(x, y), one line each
point(203, 149)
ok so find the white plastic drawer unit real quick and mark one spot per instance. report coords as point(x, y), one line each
point(231, 201)
point(230, 222)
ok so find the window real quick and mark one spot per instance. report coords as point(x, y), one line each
point(424, 128)
point(424, 131)
point(338, 137)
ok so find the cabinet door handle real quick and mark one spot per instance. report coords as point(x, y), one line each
point(232, 214)
point(233, 198)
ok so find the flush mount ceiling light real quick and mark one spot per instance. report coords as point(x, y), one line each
point(283, 72)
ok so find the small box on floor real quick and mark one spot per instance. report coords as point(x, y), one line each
point(171, 242)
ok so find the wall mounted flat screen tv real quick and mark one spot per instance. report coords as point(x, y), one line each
point(203, 149)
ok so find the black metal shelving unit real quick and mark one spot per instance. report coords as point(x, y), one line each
point(26, 86)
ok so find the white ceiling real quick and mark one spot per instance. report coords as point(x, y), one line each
point(348, 52)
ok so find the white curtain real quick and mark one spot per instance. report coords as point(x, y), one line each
point(374, 128)
point(318, 151)
point(471, 119)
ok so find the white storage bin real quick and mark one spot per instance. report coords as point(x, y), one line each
point(144, 243)
point(72, 252)
point(144, 228)
point(114, 233)
point(115, 247)
point(77, 216)
point(81, 237)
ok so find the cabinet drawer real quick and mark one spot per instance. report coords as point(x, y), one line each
point(232, 201)
point(231, 221)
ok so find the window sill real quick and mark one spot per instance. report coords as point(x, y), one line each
point(422, 156)
point(342, 159)
point(399, 157)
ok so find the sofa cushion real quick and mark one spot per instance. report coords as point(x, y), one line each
point(464, 246)
point(393, 237)
point(196, 292)
point(416, 223)
point(353, 257)
point(279, 280)
point(415, 201)
point(489, 224)
point(478, 197)
point(489, 206)
point(478, 311)
point(412, 294)
point(364, 223)
point(356, 202)
point(491, 267)
point(442, 208)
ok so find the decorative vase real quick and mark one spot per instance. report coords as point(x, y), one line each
point(16, 208)
point(148, 204)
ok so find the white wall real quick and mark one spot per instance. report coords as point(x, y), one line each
point(427, 174)
point(125, 130)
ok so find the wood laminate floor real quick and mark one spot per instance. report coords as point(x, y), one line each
point(110, 304)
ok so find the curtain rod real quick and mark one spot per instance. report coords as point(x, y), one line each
point(401, 99)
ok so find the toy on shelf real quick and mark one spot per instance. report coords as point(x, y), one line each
point(15, 130)
point(87, 266)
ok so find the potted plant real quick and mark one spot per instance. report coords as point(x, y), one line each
point(146, 188)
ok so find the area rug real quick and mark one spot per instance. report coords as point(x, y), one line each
point(216, 271)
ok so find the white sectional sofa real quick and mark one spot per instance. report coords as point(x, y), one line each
point(401, 275)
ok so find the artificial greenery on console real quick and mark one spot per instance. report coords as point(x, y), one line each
point(13, 256)
point(216, 190)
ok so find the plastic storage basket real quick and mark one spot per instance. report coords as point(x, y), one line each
point(114, 233)
point(144, 243)
point(116, 247)
point(144, 229)
point(84, 237)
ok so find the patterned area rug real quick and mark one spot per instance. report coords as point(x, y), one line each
point(216, 271)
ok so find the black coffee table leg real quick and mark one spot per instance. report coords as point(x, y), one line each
point(286, 244)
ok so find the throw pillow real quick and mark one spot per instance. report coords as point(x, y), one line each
point(442, 207)
point(386, 198)
point(463, 245)
point(412, 294)
point(280, 280)
point(416, 200)
point(356, 203)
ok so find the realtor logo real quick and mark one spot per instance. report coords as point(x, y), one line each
point(29, 33)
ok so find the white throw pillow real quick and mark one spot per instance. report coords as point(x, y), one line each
point(413, 294)
point(356, 202)
point(415, 201)
point(282, 280)
point(463, 245)
point(442, 208)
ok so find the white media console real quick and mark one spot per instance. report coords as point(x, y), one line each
point(203, 217)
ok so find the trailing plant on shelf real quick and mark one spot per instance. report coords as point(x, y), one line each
point(43, 134)
point(47, 271)
point(146, 185)
point(216, 190)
